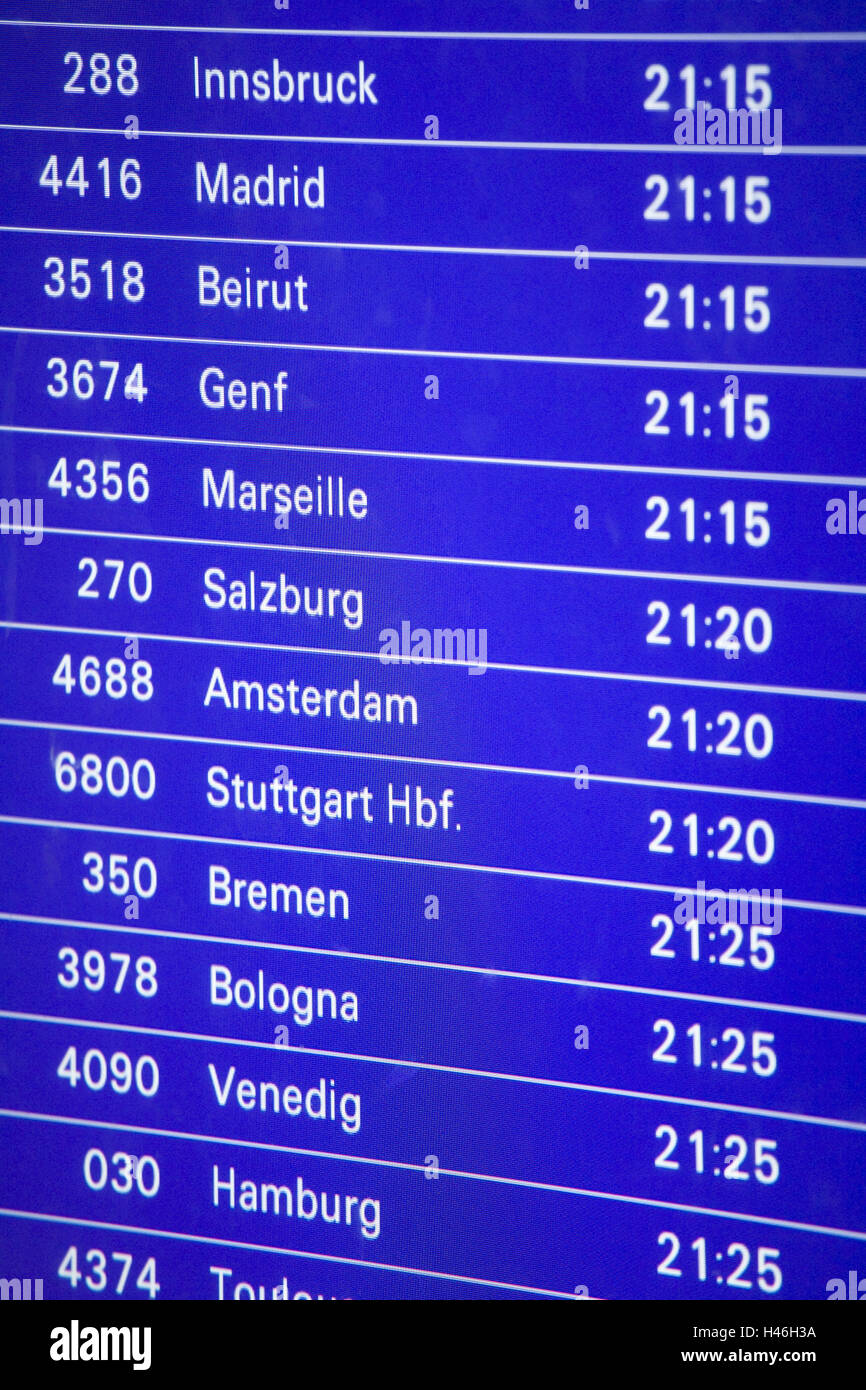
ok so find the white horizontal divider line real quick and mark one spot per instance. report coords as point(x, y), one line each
point(526, 1183)
point(249, 943)
point(843, 909)
point(810, 262)
point(552, 146)
point(820, 1121)
point(855, 696)
point(816, 586)
point(816, 479)
point(362, 755)
point(530, 359)
point(815, 36)
point(852, 1126)
point(285, 1253)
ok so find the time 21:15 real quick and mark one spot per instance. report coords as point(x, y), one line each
point(755, 423)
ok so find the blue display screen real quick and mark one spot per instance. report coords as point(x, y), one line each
point(432, 630)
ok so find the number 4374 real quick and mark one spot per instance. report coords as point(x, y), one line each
point(97, 1279)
